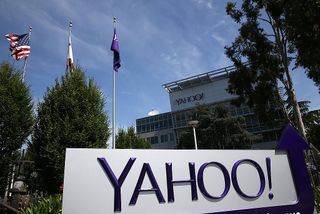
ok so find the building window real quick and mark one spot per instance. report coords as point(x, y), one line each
point(164, 138)
point(152, 140)
point(171, 137)
point(154, 123)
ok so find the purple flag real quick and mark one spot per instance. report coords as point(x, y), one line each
point(116, 52)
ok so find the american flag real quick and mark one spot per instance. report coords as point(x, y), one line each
point(19, 46)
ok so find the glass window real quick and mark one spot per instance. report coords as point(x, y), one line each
point(171, 137)
point(161, 124)
point(154, 140)
point(164, 138)
point(165, 124)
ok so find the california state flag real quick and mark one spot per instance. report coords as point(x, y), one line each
point(70, 65)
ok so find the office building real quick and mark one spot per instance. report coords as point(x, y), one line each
point(163, 130)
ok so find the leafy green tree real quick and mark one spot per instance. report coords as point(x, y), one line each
point(311, 120)
point(308, 117)
point(314, 136)
point(217, 130)
point(16, 117)
point(303, 30)
point(128, 139)
point(262, 54)
point(71, 115)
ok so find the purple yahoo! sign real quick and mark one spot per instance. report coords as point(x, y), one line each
point(290, 141)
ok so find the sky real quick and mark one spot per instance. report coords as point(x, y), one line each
point(160, 41)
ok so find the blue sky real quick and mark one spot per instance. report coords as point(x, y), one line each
point(160, 41)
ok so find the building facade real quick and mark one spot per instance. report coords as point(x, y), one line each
point(209, 89)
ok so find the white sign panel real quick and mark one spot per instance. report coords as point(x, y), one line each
point(186, 181)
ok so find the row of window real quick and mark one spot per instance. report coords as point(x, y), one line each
point(180, 119)
point(240, 111)
point(155, 126)
point(156, 118)
point(166, 120)
point(163, 138)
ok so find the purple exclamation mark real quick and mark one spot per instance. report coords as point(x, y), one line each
point(268, 162)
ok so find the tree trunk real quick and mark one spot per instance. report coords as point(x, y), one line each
point(296, 109)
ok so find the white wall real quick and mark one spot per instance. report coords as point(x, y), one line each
point(210, 93)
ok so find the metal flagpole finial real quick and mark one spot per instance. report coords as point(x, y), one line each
point(70, 24)
point(30, 28)
point(114, 21)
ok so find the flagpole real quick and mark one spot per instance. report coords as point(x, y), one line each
point(26, 58)
point(24, 69)
point(114, 100)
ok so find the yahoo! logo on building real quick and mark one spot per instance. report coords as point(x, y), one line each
point(192, 98)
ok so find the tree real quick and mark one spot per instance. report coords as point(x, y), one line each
point(262, 54)
point(16, 117)
point(217, 130)
point(314, 134)
point(303, 30)
point(127, 139)
point(70, 116)
point(311, 119)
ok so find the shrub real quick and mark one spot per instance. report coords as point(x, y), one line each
point(52, 205)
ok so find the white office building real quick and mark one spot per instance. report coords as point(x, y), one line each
point(163, 130)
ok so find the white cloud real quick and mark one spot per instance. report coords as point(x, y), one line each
point(221, 41)
point(183, 61)
point(223, 61)
point(220, 23)
point(206, 3)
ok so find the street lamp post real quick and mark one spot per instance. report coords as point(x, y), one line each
point(193, 124)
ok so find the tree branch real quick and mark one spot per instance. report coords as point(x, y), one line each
point(265, 20)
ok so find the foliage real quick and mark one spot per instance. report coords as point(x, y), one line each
point(217, 130)
point(317, 197)
point(311, 120)
point(127, 139)
point(303, 30)
point(309, 117)
point(52, 205)
point(313, 127)
point(71, 115)
point(16, 117)
point(262, 54)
